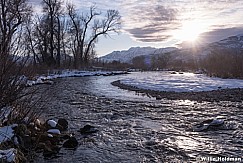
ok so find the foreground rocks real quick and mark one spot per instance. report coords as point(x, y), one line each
point(234, 95)
point(47, 138)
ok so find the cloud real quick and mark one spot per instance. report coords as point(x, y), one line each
point(221, 33)
point(158, 20)
point(150, 33)
point(151, 24)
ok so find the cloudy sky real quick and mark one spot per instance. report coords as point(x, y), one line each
point(163, 23)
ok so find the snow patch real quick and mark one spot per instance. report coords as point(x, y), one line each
point(8, 155)
point(6, 133)
point(66, 73)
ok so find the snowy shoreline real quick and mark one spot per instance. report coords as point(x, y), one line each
point(234, 94)
point(47, 79)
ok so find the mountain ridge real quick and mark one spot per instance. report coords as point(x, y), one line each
point(126, 56)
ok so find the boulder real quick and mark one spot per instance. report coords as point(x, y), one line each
point(65, 137)
point(71, 143)
point(54, 131)
point(214, 124)
point(45, 137)
point(62, 124)
point(51, 123)
point(88, 129)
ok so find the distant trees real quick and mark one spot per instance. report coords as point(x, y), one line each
point(160, 61)
point(139, 62)
point(225, 63)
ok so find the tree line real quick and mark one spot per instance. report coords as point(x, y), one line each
point(220, 62)
point(224, 63)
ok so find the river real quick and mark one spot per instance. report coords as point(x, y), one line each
point(135, 128)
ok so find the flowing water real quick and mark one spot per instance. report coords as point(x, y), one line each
point(136, 128)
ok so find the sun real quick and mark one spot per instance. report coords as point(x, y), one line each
point(190, 31)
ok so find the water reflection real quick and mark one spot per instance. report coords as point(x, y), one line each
point(185, 102)
point(101, 86)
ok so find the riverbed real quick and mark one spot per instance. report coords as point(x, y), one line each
point(136, 128)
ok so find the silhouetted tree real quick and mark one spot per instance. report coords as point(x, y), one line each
point(14, 14)
point(86, 28)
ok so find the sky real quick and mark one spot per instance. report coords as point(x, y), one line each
point(166, 23)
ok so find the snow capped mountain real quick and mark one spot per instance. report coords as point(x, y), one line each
point(126, 56)
point(230, 42)
point(184, 54)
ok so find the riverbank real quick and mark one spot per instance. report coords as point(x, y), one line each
point(234, 95)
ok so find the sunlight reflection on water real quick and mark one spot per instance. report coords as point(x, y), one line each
point(185, 102)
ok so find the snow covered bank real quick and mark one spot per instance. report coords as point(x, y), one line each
point(179, 82)
point(71, 73)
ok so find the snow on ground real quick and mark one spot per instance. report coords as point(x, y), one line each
point(8, 155)
point(186, 82)
point(6, 133)
point(67, 73)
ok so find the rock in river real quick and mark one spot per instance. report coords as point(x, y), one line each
point(51, 123)
point(62, 124)
point(88, 129)
point(214, 124)
point(71, 143)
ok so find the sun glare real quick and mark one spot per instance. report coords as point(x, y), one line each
point(189, 32)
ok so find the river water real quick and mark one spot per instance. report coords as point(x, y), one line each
point(135, 128)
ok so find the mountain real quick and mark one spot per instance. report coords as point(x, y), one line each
point(126, 56)
point(184, 54)
point(235, 42)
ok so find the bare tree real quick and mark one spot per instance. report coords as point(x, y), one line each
point(111, 23)
point(48, 28)
point(86, 28)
